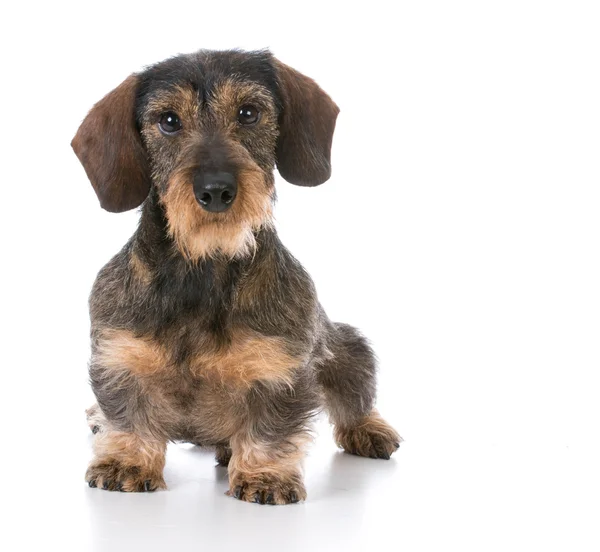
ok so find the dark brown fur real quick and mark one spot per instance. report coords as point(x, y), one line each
point(204, 327)
point(120, 175)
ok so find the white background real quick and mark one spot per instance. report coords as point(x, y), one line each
point(460, 231)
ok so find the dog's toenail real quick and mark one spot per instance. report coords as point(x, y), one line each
point(293, 497)
point(147, 485)
point(92, 483)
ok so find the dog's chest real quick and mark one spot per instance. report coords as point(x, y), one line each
point(195, 379)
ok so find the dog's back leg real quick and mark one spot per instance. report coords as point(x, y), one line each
point(348, 380)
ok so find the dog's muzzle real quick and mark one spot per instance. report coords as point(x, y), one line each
point(215, 191)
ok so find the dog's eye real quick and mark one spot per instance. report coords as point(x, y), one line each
point(169, 123)
point(248, 115)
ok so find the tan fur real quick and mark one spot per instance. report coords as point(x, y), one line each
point(372, 437)
point(126, 461)
point(219, 413)
point(130, 449)
point(253, 457)
point(257, 470)
point(121, 350)
point(214, 414)
point(231, 94)
point(140, 270)
point(183, 100)
point(199, 234)
point(248, 358)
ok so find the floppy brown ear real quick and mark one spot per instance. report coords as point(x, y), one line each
point(110, 149)
point(306, 126)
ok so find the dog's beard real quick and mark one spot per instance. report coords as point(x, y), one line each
point(199, 234)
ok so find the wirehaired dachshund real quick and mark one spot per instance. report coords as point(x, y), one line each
point(204, 328)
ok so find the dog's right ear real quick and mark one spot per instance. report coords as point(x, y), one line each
point(109, 146)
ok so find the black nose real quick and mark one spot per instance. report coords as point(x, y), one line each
point(215, 191)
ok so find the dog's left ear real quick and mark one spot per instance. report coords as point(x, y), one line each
point(306, 126)
point(109, 146)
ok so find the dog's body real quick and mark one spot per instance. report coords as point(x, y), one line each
point(204, 327)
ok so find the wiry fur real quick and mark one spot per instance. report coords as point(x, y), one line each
point(204, 327)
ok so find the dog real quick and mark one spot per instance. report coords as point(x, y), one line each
point(204, 328)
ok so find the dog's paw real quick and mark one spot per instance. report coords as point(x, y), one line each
point(268, 489)
point(372, 437)
point(112, 475)
point(223, 455)
point(95, 419)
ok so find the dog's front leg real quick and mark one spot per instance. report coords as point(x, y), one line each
point(267, 472)
point(127, 462)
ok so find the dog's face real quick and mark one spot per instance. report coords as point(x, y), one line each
point(206, 131)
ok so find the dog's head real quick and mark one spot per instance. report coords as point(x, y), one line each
point(206, 131)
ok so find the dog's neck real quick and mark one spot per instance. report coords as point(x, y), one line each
point(177, 287)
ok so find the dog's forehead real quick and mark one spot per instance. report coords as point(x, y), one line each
point(205, 71)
